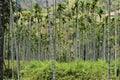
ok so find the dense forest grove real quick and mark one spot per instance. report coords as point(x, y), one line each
point(59, 39)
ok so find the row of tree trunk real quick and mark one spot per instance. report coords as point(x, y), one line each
point(80, 49)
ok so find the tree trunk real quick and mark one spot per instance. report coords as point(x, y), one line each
point(109, 47)
point(17, 47)
point(104, 40)
point(11, 40)
point(55, 26)
point(76, 40)
point(39, 41)
point(51, 41)
point(115, 15)
point(1, 37)
point(104, 43)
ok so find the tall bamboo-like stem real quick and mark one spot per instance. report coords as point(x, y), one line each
point(39, 41)
point(115, 15)
point(109, 48)
point(54, 20)
point(11, 40)
point(104, 41)
point(76, 40)
point(17, 56)
point(51, 41)
point(67, 36)
point(94, 36)
point(17, 46)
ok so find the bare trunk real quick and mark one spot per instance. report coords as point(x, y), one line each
point(17, 47)
point(104, 43)
point(1, 37)
point(76, 40)
point(109, 48)
point(55, 26)
point(39, 42)
point(115, 15)
point(11, 40)
point(51, 41)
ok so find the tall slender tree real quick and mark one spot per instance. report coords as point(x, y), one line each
point(11, 40)
point(109, 47)
point(55, 27)
point(76, 40)
point(1, 37)
point(51, 40)
point(115, 15)
point(104, 41)
point(67, 33)
point(17, 45)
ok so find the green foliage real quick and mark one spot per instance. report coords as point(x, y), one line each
point(89, 70)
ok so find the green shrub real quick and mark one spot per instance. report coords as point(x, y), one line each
point(81, 70)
